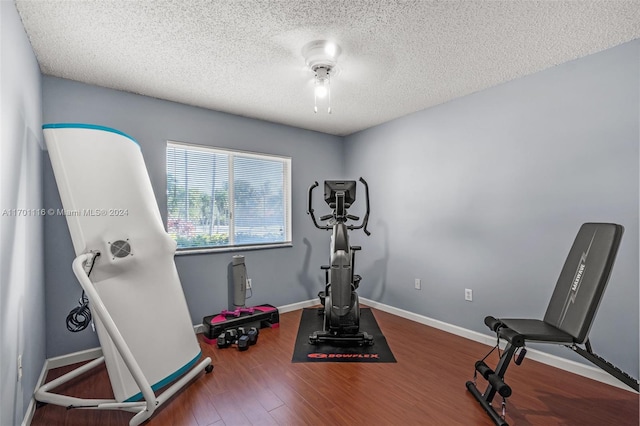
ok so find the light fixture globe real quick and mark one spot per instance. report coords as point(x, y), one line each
point(321, 57)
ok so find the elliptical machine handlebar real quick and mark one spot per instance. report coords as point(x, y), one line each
point(363, 224)
point(310, 208)
point(365, 220)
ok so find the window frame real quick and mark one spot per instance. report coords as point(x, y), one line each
point(231, 154)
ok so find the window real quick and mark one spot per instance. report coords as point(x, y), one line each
point(218, 198)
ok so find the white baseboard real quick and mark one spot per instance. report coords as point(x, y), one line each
point(584, 370)
point(299, 305)
point(72, 358)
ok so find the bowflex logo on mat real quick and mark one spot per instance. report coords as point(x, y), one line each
point(334, 355)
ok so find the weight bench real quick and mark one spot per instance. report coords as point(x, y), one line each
point(568, 318)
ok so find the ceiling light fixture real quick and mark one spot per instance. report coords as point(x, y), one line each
point(321, 57)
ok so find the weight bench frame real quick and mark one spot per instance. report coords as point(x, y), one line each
point(568, 318)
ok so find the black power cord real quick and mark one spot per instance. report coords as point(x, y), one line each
point(79, 317)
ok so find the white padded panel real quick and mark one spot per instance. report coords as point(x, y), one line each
point(244, 57)
point(106, 192)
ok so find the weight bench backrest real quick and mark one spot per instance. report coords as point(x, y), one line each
point(583, 279)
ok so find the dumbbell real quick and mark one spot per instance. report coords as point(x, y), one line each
point(253, 335)
point(227, 338)
point(243, 343)
point(251, 332)
point(222, 341)
point(239, 337)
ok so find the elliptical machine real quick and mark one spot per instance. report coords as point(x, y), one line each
point(339, 298)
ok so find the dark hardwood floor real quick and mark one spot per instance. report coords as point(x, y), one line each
point(425, 387)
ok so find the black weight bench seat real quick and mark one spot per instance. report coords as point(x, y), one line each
point(537, 330)
point(569, 315)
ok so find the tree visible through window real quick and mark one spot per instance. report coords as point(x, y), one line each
point(222, 198)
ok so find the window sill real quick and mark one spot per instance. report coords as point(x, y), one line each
point(207, 250)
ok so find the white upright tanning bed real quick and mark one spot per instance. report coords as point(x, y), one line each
point(125, 266)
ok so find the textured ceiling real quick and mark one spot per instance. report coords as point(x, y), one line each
point(244, 57)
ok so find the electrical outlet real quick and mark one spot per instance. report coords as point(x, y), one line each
point(468, 294)
point(248, 283)
point(418, 284)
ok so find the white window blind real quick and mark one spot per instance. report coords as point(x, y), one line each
point(221, 198)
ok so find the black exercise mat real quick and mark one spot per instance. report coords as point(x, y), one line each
point(326, 352)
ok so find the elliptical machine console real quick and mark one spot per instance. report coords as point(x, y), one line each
point(339, 298)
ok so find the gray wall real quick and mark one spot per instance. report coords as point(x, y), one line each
point(21, 257)
point(488, 191)
point(280, 276)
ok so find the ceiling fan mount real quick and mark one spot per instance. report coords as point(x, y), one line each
point(322, 54)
